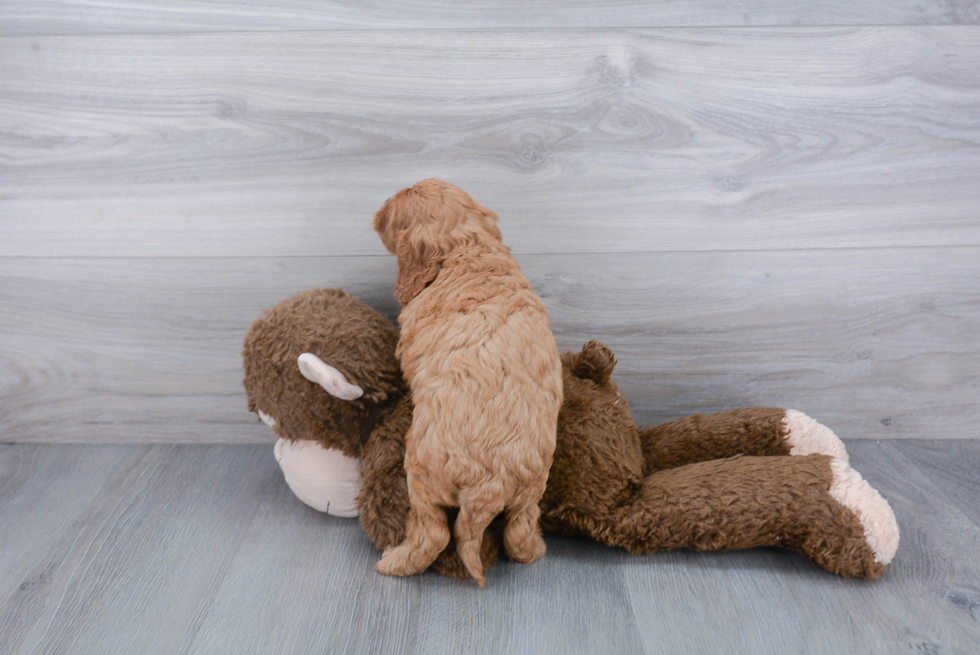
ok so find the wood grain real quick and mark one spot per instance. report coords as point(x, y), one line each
point(134, 571)
point(876, 343)
point(80, 17)
point(284, 144)
point(202, 549)
point(954, 466)
point(42, 491)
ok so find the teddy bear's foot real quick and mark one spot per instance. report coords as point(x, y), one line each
point(872, 511)
point(857, 535)
point(805, 436)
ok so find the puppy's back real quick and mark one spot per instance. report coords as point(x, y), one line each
point(478, 354)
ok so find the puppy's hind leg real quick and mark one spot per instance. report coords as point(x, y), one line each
point(478, 506)
point(426, 536)
point(522, 535)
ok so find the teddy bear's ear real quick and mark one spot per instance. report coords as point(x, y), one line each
point(595, 362)
point(316, 370)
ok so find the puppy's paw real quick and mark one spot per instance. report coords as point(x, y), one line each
point(528, 551)
point(397, 561)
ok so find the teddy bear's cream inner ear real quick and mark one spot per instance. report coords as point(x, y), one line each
point(316, 370)
point(268, 420)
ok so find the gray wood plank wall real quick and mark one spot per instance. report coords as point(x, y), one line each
point(107, 16)
point(786, 214)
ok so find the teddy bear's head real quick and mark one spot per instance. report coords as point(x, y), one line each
point(353, 343)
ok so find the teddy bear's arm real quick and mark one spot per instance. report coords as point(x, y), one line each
point(383, 500)
point(747, 431)
point(814, 504)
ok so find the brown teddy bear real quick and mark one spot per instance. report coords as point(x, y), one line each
point(320, 368)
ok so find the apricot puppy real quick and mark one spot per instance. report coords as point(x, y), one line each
point(479, 357)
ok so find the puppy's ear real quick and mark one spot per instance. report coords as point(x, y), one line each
point(596, 362)
point(418, 265)
point(382, 225)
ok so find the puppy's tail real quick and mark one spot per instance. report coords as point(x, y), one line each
point(478, 506)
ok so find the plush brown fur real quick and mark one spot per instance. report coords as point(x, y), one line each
point(355, 339)
point(741, 502)
point(701, 482)
point(699, 438)
point(688, 483)
point(477, 352)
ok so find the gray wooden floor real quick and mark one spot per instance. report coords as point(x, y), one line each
point(202, 549)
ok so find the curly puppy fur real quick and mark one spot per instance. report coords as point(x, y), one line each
point(477, 352)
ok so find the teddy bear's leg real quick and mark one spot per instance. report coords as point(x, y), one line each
point(748, 431)
point(813, 504)
point(383, 499)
